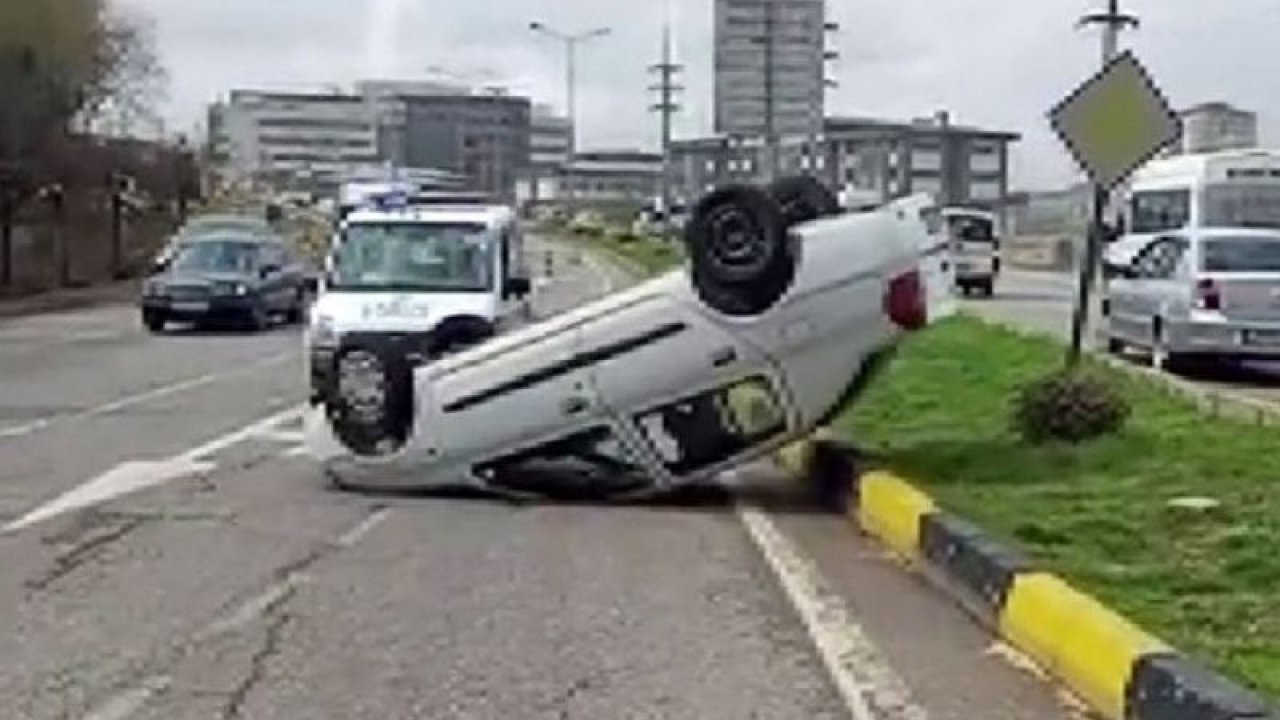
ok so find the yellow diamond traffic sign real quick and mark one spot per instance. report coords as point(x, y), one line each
point(1115, 121)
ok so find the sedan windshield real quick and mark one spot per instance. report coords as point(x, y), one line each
point(413, 256)
point(217, 256)
point(1242, 254)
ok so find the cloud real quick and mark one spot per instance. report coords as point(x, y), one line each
point(996, 63)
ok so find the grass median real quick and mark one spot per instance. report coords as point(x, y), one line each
point(1098, 514)
point(646, 254)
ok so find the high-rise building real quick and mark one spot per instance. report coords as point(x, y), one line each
point(769, 66)
point(1209, 127)
point(283, 137)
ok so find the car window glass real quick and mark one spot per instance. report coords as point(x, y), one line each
point(698, 431)
point(1161, 259)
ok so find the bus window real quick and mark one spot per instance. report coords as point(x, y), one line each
point(1152, 211)
point(1240, 205)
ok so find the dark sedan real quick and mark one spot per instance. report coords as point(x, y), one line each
point(246, 278)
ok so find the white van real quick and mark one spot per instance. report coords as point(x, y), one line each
point(975, 248)
point(433, 278)
point(1225, 189)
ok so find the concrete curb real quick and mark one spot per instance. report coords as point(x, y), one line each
point(1115, 667)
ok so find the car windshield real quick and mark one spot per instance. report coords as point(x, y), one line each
point(413, 256)
point(1248, 206)
point(207, 225)
point(220, 256)
point(1242, 255)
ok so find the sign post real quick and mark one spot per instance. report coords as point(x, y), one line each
point(1113, 123)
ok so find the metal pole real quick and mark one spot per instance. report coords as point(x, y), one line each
point(770, 130)
point(667, 107)
point(571, 108)
point(1112, 22)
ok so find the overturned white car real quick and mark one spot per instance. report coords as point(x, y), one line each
point(782, 312)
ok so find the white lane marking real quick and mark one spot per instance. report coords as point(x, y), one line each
point(131, 701)
point(869, 687)
point(132, 476)
point(140, 398)
point(255, 607)
point(357, 533)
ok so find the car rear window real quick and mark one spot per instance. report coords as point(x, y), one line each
point(1242, 255)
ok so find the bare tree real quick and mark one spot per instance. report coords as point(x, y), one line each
point(129, 80)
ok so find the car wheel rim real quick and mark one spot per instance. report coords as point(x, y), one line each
point(736, 244)
point(362, 386)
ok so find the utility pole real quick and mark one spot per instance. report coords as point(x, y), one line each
point(666, 107)
point(770, 126)
point(570, 82)
point(1112, 22)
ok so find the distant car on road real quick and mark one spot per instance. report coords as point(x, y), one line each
point(975, 248)
point(1198, 295)
point(212, 223)
point(227, 275)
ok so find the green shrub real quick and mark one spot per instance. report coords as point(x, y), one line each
point(1069, 406)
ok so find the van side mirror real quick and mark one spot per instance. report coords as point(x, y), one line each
point(268, 270)
point(518, 287)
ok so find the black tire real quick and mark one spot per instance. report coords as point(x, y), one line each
point(988, 288)
point(803, 198)
point(1115, 346)
point(298, 311)
point(257, 319)
point(154, 321)
point(742, 259)
point(372, 431)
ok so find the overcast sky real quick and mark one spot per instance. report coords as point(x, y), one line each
point(995, 63)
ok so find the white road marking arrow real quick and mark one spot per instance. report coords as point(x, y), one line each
point(125, 478)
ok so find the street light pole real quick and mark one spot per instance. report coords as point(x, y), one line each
point(570, 80)
point(1112, 22)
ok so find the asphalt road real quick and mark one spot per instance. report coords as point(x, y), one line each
point(1042, 302)
point(166, 553)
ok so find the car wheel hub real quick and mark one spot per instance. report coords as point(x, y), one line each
point(362, 386)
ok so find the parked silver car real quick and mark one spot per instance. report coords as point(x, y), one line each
point(1207, 294)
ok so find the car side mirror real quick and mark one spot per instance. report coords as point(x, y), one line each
point(1118, 270)
point(518, 287)
point(268, 270)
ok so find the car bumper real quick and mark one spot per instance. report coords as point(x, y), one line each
point(1249, 341)
point(234, 306)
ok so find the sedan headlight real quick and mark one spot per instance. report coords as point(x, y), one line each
point(238, 289)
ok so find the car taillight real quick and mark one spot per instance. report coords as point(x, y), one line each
point(1208, 297)
point(905, 302)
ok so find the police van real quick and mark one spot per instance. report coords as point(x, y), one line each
point(430, 275)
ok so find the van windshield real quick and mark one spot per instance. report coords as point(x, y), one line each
point(413, 257)
point(1248, 206)
point(971, 229)
point(1242, 254)
point(1153, 211)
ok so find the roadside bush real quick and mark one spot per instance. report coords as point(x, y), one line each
point(1069, 406)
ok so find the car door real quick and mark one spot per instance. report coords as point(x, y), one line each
point(526, 394)
point(694, 396)
point(1153, 290)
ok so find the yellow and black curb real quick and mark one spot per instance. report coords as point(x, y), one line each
point(1118, 669)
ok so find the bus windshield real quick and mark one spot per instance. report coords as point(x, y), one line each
point(413, 257)
point(1241, 205)
point(1153, 211)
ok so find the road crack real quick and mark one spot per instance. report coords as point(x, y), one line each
point(278, 619)
point(86, 542)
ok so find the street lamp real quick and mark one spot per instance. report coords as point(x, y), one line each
point(570, 46)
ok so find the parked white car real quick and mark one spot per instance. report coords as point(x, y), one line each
point(1198, 295)
point(784, 310)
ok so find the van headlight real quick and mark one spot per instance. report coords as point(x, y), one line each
point(324, 333)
